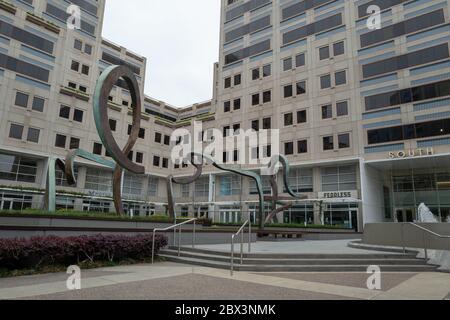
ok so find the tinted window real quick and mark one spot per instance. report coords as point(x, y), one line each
point(26, 37)
point(64, 112)
point(33, 135)
point(60, 141)
point(21, 99)
point(16, 131)
point(247, 28)
point(247, 52)
point(402, 28)
point(406, 61)
point(325, 81)
point(328, 143)
point(38, 104)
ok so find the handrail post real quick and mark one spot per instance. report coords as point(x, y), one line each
point(425, 246)
point(175, 236)
point(403, 238)
point(193, 236)
point(232, 255)
point(250, 236)
point(153, 246)
point(242, 248)
point(179, 242)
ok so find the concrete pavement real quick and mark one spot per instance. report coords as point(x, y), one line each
point(166, 280)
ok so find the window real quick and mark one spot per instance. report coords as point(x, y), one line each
point(230, 185)
point(60, 141)
point(202, 187)
point(141, 133)
point(227, 83)
point(132, 184)
point(75, 66)
point(21, 99)
point(99, 180)
point(165, 163)
point(327, 111)
point(112, 124)
point(255, 74)
point(338, 48)
point(344, 141)
point(301, 87)
point(267, 96)
point(340, 78)
point(288, 91)
point(339, 178)
point(78, 115)
point(130, 155)
point(78, 44)
point(302, 116)
point(226, 131)
point(255, 99)
point(237, 79)
point(87, 49)
point(97, 149)
point(324, 53)
point(267, 123)
point(156, 161)
point(227, 106)
point(38, 104)
point(236, 128)
point(325, 81)
point(153, 186)
point(255, 125)
point(302, 146)
point(237, 104)
point(139, 157)
point(85, 70)
point(16, 131)
point(287, 64)
point(288, 119)
point(74, 143)
point(33, 135)
point(328, 143)
point(64, 112)
point(267, 70)
point(301, 180)
point(300, 60)
point(289, 148)
point(342, 108)
point(167, 140)
point(16, 168)
point(158, 137)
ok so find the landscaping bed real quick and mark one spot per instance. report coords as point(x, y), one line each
point(50, 254)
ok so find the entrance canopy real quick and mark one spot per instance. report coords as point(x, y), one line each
point(424, 162)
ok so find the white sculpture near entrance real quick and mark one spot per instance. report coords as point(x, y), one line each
point(425, 215)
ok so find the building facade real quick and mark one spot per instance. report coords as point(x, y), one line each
point(363, 114)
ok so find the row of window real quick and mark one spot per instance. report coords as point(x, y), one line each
point(80, 68)
point(23, 100)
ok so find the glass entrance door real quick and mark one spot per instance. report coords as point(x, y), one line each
point(405, 214)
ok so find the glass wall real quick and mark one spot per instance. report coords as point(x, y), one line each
point(342, 178)
point(300, 214)
point(16, 168)
point(341, 215)
point(414, 187)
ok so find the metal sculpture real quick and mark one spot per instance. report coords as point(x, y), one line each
point(104, 85)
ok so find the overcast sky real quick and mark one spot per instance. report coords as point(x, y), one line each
point(180, 39)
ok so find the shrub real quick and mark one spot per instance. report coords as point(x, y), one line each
point(46, 251)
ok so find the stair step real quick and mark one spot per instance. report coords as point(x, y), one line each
point(296, 256)
point(297, 261)
point(298, 268)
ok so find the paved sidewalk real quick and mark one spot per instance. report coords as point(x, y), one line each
point(295, 247)
point(167, 280)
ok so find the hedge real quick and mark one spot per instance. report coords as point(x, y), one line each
point(38, 252)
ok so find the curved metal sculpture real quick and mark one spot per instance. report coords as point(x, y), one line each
point(104, 85)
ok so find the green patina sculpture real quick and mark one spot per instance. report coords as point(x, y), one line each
point(105, 83)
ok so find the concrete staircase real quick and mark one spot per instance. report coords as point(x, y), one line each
point(298, 262)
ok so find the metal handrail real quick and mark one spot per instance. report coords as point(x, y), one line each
point(174, 227)
point(241, 232)
point(425, 230)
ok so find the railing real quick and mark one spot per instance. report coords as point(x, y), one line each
point(425, 231)
point(174, 227)
point(241, 232)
